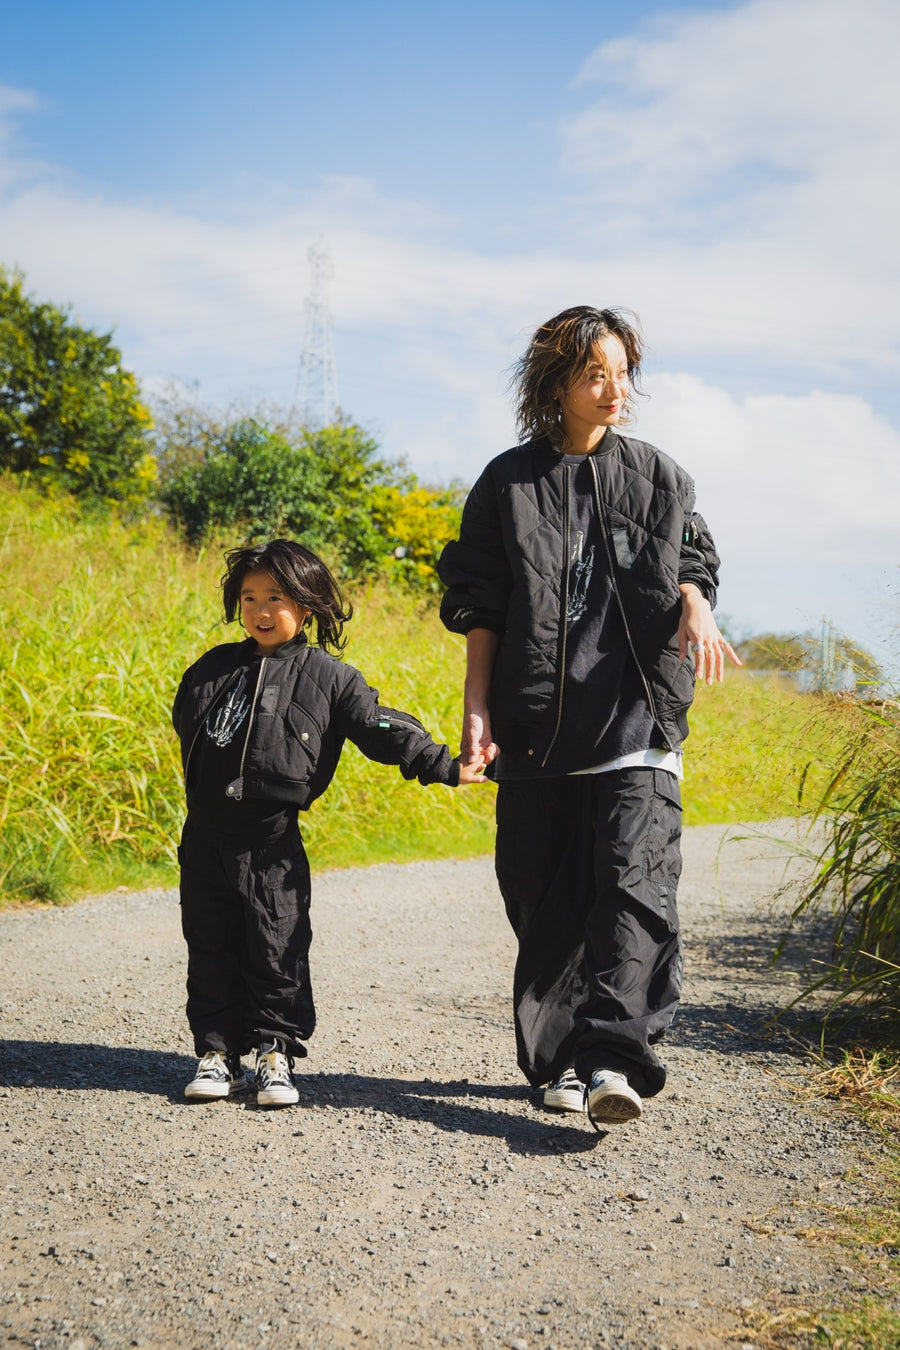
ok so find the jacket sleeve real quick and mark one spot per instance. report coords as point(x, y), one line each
point(699, 561)
point(474, 567)
point(392, 737)
point(178, 705)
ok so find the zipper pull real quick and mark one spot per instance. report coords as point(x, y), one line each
point(235, 789)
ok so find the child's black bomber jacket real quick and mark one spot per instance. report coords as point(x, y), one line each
point(305, 704)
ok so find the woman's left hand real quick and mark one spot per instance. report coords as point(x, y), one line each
point(699, 636)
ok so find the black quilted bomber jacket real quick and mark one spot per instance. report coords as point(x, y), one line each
point(306, 704)
point(508, 569)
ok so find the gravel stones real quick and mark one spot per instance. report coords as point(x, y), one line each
point(418, 1195)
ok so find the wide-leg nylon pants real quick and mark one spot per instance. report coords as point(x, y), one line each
point(245, 918)
point(588, 867)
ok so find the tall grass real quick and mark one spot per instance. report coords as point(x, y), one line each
point(857, 881)
point(101, 621)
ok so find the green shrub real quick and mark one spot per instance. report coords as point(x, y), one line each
point(251, 481)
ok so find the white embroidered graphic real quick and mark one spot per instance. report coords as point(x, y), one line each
point(579, 579)
point(228, 718)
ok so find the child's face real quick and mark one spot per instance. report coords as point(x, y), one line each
point(267, 613)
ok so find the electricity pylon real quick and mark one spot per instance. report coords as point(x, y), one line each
point(316, 390)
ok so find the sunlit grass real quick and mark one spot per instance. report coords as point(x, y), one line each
point(102, 619)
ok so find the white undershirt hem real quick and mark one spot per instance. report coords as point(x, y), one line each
point(670, 761)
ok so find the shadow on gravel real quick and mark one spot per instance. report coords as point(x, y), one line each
point(457, 1107)
point(112, 1068)
point(737, 1029)
point(753, 952)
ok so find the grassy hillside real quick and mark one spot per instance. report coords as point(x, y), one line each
point(101, 621)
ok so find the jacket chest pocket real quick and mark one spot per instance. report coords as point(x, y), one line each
point(303, 734)
point(268, 699)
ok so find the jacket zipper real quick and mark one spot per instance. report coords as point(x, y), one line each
point(561, 674)
point(235, 789)
point(604, 530)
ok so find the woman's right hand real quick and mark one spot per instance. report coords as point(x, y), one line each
point(475, 743)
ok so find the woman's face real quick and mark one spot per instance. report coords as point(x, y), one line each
point(597, 400)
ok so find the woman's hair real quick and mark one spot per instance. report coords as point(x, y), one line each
point(557, 358)
point(301, 574)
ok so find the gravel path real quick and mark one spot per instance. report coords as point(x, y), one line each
point(419, 1195)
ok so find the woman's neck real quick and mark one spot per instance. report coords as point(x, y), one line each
point(581, 440)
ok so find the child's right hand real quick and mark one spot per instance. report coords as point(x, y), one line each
point(471, 773)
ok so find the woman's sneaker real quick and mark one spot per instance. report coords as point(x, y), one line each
point(274, 1084)
point(218, 1075)
point(565, 1093)
point(609, 1100)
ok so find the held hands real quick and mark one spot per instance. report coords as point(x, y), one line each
point(699, 636)
point(476, 745)
point(477, 750)
point(470, 773)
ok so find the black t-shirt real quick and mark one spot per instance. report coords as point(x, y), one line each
point(605, 712)
point(214, 789)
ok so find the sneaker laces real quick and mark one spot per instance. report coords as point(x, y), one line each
point(268, 1066)
point(211, 1063)
point(568, 1078)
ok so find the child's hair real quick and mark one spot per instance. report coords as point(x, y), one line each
point(557, 358)
point(301, 574)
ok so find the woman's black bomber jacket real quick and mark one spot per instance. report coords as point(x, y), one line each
point(507, 571)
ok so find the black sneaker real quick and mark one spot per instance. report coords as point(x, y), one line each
point(218, 1075)
point(274, 1084)
point(565, 1093)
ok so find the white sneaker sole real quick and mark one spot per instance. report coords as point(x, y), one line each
point(277, 1096)
point(614, 1105)
point(211, 1092)
point(564, 1099)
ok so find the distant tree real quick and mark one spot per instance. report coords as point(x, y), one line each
point(70, 415)
point(778, 651)
point(257, 474)
point(802, 651)
point(254, 481)
point(248, 481)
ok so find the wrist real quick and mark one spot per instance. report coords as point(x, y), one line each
point(691, 595)
point(475, 698)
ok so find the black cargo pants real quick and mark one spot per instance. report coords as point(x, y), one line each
point(245, 918)
point(588, 868)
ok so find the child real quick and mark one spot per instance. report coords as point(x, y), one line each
point(262, 725)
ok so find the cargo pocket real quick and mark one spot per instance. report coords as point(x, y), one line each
point(662, 854)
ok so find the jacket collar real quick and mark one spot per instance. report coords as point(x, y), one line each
point(547, 455)
point(285, 651)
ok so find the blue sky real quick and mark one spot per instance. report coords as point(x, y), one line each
point(727, 170)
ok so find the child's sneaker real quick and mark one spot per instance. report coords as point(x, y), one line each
point(218, 1075)
point(610, 1100)
point(565, 1093)
point(274, 1084)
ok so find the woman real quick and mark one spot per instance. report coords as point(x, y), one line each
point(582, 579)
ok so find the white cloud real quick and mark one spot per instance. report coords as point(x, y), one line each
point(707, 112)
point(732, 168)
point(732, 180)
point(801, 494)
point(815, 476)
point(736, 168)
